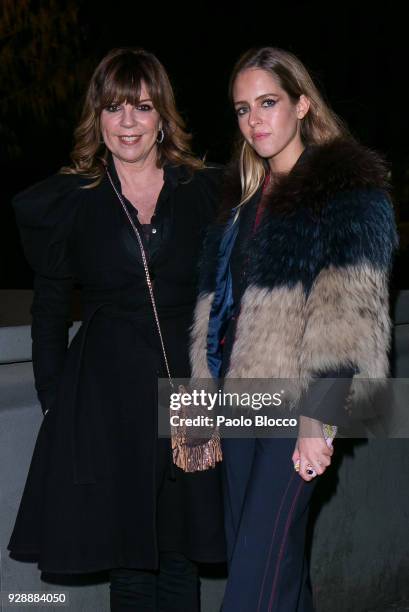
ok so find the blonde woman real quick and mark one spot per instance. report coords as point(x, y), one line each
point(294, 286)
point(102, 493)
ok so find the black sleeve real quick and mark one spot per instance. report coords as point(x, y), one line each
point(45, 215)
point(49, 331)
point(326, 397)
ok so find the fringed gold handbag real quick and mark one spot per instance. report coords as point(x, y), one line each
point(194, 453)
point(189, 453)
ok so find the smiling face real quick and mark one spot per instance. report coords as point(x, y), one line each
point(130, 132)
point(268, 119)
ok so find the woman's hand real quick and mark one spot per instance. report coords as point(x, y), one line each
point(311, 449)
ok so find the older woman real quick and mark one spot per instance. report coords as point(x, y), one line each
point(102, 492)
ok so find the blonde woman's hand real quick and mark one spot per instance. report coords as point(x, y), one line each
point(311, 453)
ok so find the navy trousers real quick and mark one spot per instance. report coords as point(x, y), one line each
point(266, 512)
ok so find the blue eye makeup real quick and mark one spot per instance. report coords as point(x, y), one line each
point(269, 102)
point(241, 111)
point(266, 103)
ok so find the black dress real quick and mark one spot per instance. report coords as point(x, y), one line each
point(101, 492)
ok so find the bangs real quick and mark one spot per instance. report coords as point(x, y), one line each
point(122, 82)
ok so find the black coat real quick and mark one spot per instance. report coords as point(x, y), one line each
point(99, 494)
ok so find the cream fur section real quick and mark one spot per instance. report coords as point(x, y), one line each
point(269, 334)
point(198, 338)
point(282, 335)
point(347, 322)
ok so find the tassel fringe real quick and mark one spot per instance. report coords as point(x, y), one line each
point(196, 458)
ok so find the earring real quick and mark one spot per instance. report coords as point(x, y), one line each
point(161, 136)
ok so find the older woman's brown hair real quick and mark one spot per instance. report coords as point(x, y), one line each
point(117, 79)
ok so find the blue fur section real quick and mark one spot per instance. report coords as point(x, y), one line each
point(355, 227)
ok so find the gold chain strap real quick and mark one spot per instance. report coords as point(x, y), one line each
point(148, 278)
point(205, 455)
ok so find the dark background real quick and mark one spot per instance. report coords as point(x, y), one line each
point(357, 53)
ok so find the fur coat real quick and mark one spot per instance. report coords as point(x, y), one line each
point(316, 293)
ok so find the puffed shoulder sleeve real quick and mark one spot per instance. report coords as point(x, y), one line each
point(209, 183)
point(45, 215)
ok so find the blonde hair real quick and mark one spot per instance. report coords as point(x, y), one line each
point(118, 78)
point(319, 125)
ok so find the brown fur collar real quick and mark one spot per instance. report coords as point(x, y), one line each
point(322, 172)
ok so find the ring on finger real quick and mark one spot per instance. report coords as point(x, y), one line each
point(310, 470)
